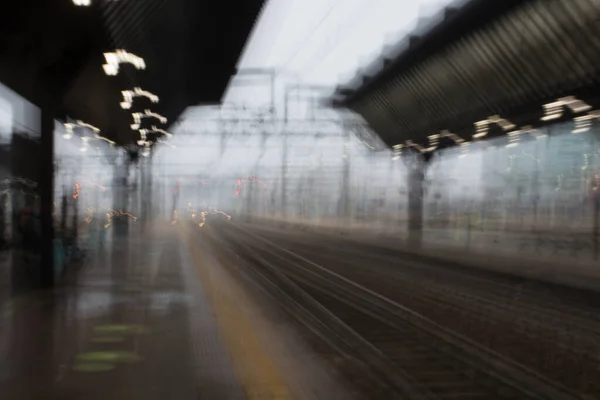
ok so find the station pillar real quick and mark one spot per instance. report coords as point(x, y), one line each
point(47, 273)
point(416, 179)
point(417, 168)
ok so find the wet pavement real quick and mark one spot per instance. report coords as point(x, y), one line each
point(229, 310)
point(150, 316)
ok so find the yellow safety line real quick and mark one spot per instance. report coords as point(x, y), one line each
point(255, 369)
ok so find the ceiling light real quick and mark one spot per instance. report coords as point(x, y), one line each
point(128, 96)
point(162, 119)
point(155, 129)
point(584, 122)
point(85, 125)
point(110, 69)
point(113, 60)
point(555, 109)
point(68, 131)
point(481, 129)
point(501, 122)
point(137, 118)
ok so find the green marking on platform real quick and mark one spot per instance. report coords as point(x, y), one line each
point(121, 329)
point(93, 367)
point(109, 357)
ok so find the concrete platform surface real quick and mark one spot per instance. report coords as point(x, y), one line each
point(152, 315)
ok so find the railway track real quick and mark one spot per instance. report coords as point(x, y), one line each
point(551, 329)
point(388, 350)
point(558, 329)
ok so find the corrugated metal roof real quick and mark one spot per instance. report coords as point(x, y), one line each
point(190, 48)
point(532, 53)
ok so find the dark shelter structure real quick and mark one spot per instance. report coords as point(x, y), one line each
point(476, 64)
point(477, 59)
point(52, 54)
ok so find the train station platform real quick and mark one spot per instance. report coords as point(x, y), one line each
point(153, 314)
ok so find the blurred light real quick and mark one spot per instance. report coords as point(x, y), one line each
point(108, 220)
point(555, 109)
point(513, 138)
point(241, 182)
point(113, 60)
point(482, 128)
point(457, 139)
point(504, 124)
point(110, 142)
point(223, 213)
point(86, 125)
point(368, 145)
point(576, 105)
point(96, 132)
point(90, 215)
point(84, 145)
point(410, 143)
point(110, 70)
point(126, 214)
point(112, 213)
point(203, 221)
point(433, 142)
point(162, 119)
point(253, 179)
point(397, 151)
point(128, 96)
point(155, 129)
point(84, 3)
point(137, 118)
point(68, 131)
point(77, 191)
point(559, 182)
point(584, 123)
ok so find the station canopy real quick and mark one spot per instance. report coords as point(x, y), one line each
point(481, 61)
point(53, 53)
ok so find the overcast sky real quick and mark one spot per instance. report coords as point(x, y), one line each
point(324, 42)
